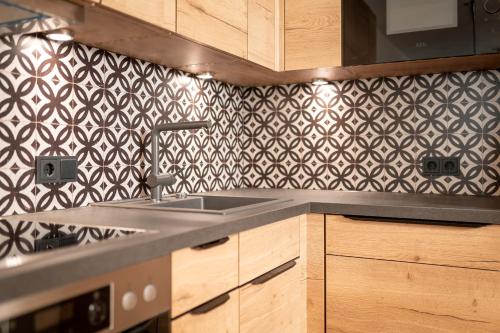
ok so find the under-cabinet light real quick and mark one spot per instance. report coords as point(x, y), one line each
point(205, 75)
point(319, 81)
point(60, 35)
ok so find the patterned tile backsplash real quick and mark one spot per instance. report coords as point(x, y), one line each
point(73, 100)
point(369, 135)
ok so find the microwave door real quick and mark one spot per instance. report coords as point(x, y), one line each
point(403, 30)
point(487, 26)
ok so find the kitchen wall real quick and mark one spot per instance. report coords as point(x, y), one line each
point(368, 135)
point(72, 100)
point(371, 135)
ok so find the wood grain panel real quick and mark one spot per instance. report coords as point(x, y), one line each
point(221, 24)
point(265, 248)
point(315, 273)
point(366, 296)
point(200, 275)
point(224, 318)
point(158, 12)
point(313, 34)
point(262, 43)
point(272, 307)
point(411, 242)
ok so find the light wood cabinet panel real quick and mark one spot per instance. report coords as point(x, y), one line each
point(312, 250)
point(272, 306)
point(266, 247)
point(158, 12)
point(462, 246)
point(223, 318)
point(264, 32)
point(218, 23)
point(199, 275)
point(366, 296)
point(313, 34)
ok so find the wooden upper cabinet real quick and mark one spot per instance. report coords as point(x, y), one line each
point(313, 34)
point(265, 19)
point(218, 23)
point(157, 12)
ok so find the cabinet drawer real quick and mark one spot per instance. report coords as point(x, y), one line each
point(267, 247)
point(273, 305)
point(218, 315)
point(366, 296)
point(202, 273)
point(461, 246)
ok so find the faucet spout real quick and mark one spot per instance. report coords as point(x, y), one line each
point(154, 180)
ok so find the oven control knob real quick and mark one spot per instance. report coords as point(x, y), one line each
point(129, 301)
point(149, 293)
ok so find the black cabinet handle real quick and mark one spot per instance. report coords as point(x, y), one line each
point(274, 273)
point(416, 221)
point(211, 244)
point(210, 305)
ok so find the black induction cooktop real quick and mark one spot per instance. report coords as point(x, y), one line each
point(19, 238)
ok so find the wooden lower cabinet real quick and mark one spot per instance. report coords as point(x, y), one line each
point(264, 248)
point(223, 317)
point(203, 272)
point(273, 306)
point(461, 245)
point(368, 295)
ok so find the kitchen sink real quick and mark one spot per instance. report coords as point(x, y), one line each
point(210, 204)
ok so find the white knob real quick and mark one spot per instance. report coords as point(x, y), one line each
point(149, 293)
point(129, 301)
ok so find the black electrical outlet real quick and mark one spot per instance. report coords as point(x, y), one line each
point(431, 166)
point(56, 169)
point(47, 169)
point(450, 166)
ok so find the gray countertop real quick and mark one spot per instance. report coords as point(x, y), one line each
point(169, 231)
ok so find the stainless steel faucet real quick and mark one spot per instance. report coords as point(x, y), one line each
point(155, 180)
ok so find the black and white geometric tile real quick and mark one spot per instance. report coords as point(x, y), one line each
point(70, 99)
point(371, 134)
point(359, 135)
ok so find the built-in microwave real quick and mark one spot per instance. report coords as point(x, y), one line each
point(378, 31)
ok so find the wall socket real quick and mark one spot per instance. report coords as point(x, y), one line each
point(441, 166)
point(56, 169)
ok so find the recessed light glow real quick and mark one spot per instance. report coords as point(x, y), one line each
point(205, 75)
point(60, 35)
point(319, 81)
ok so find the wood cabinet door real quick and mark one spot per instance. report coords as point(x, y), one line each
point(202, 273)
point(313, 34)
point(264, 32)
point(218, 23)
point(458, 245)
point(218, 315)
point(157, 12)
point(272, 306)
point(367, 295)
point(265, 248)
